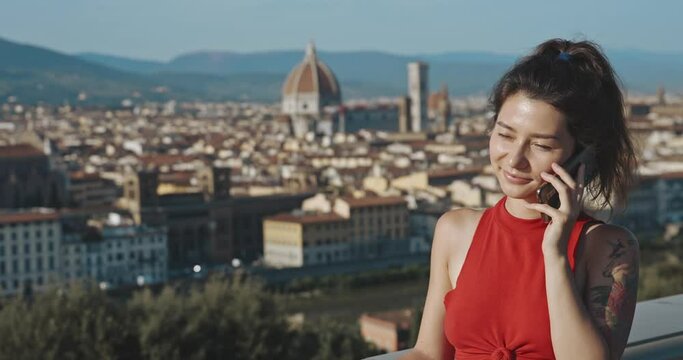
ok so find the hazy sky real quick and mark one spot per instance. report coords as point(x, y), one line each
point(162, 29)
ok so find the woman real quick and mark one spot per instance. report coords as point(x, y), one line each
point(504, 283)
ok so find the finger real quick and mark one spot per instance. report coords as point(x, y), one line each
point(563, 191)
point(564, 175)
point(545, 209)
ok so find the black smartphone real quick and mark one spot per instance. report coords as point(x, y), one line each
point(546, 194)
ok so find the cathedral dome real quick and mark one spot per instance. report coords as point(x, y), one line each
point(310, 86)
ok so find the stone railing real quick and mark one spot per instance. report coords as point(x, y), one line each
point(656, 334)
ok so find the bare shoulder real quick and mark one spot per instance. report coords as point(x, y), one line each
point(609, 239)
point(455, 229)
point(459, 218)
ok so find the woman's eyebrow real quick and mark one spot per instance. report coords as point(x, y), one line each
point(540, 136)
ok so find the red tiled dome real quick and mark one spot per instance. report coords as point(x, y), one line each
point(312, 76)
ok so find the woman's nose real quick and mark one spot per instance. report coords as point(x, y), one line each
point(517, 157)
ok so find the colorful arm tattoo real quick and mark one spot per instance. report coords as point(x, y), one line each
point(612, 296)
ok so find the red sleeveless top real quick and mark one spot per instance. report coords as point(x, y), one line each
point(498, 309)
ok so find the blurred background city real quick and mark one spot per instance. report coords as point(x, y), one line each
point(261, 179)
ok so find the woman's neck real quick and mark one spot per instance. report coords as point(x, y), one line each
point(516, 208)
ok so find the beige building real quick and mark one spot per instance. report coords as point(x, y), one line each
point(328, 231)
point(30, 250)
point(292, 240)
point(389, 330)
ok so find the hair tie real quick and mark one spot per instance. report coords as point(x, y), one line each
point(564, 56)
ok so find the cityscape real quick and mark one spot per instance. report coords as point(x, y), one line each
point(322, 203)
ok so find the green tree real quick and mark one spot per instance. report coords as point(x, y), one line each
point(220, 319)
point(81, 323)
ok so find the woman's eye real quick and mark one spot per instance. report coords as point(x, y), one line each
point(505, 136)
point(544, 147)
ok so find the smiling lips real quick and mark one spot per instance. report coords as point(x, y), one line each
point(514, 179)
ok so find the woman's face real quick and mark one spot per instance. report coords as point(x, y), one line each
point(529, 135)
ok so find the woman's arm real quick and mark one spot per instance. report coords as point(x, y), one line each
point(612, 284)
point(600, 329)
point(596, 327)
point(431, 342)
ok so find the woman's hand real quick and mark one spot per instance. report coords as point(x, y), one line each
point(562, 220)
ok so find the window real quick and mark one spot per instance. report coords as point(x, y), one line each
point(51, 263)
point(39, 264)
point(27, 248)
point(39, 247)
point(27, 265)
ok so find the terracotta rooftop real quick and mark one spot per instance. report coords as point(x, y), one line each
point(20, 151)
point(436, 98)
point(312, 75)
point(176, 177)
point(28, 216)
point(373, 201)
point(307, 218)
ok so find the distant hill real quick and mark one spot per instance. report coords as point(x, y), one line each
point(35, 74)
point(361, 73)
point(463, 72)
point(123, 63)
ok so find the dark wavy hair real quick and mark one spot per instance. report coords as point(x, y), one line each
point(578, 80)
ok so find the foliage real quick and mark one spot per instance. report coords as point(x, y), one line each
point(77, 324)
point(661, 269)
point(220, 319)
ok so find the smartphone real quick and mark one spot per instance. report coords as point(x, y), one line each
point(546, 194)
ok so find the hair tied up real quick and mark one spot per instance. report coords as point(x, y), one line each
point(564, 56)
